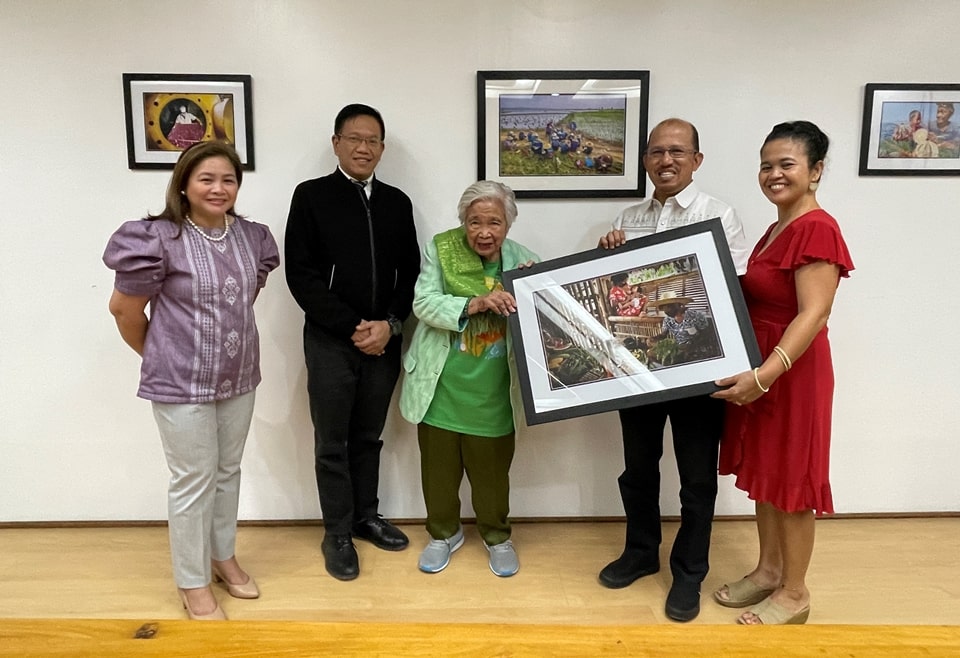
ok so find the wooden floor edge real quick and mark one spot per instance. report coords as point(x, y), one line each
point(267, 638)
point(78, 523)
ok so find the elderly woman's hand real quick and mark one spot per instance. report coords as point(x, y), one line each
point(497, 301)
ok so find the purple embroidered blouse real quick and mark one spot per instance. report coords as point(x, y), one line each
point(202, 343)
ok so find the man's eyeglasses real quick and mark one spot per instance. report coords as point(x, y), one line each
point(675, 153)
point(354, 141)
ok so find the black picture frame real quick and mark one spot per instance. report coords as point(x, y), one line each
point(599, 156)
point(166, 113)
point(564, 313)
point(902, 133)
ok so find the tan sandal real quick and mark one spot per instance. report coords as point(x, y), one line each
point(770, 613)
point(742, 593)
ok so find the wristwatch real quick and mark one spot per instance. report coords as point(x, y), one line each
point(396, 327)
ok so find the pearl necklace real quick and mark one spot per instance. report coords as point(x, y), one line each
point(219, 238)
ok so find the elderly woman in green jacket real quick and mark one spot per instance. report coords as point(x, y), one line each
point(460, 384)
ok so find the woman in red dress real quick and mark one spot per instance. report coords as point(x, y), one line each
point(777, 434)
point(626, 300)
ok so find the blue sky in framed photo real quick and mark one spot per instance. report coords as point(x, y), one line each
point(895, 113)
point(519, 103)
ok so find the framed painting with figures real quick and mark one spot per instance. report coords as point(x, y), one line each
point(556, 134)
point(910, 130)
point(167, 113)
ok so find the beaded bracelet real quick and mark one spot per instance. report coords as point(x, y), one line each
point(756, 378)
point(787, 363)
point(465, 313)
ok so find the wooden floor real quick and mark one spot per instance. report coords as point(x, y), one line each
point(176, 638)
point(891, 573)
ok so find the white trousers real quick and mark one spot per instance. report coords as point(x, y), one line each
point(203, 444)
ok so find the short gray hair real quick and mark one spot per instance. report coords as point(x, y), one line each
point(488, 190)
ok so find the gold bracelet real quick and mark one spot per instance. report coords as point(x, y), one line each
point(787, 363)
point(785, 366)
point(756, 378)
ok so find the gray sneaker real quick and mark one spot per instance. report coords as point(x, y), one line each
point(436, 556)
point(503, 559)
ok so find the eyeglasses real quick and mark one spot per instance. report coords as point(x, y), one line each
point(675, 153)
point(355, 140)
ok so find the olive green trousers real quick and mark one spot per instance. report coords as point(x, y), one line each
point(444, 457)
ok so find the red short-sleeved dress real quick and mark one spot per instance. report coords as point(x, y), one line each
point(779, 445)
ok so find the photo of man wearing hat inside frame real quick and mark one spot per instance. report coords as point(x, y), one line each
point(686, 334)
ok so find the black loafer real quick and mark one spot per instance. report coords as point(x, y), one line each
point(340, 557)
point(381, 533)
point(626, 569)
point(683, 601)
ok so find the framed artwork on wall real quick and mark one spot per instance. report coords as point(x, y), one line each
point(563, 134)
point(659, 318)
point(166, 113)
point(910, 130)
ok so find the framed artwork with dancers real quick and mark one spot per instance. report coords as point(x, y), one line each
point(660, 318)
point(910, 130)
point(563, 134)
point(166, 113)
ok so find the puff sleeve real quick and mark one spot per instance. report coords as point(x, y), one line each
point(136, 253)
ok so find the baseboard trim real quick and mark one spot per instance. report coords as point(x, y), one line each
point(13, 525)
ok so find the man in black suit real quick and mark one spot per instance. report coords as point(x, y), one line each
point(352, 259)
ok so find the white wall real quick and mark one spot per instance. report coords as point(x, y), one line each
point(76, 444)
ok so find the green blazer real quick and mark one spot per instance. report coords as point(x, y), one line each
point(439, 319)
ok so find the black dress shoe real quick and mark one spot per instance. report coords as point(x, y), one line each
point(381, 533)
point(340, 557)
point(626, 569)
point(683, 601)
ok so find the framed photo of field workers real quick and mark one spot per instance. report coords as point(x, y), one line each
point(910, 130)
point(167, 113)
point(660, 318)
point(555, 134)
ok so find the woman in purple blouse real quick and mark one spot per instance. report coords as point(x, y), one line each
point(199, 266)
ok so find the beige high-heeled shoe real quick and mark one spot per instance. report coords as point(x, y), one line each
point(217, 615)
point(247, 590)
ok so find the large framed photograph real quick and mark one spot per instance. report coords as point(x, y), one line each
point(166, 113)
point(910, 130)
point(659, 318)
point(563, 133)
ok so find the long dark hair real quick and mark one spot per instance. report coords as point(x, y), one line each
point(177, 204)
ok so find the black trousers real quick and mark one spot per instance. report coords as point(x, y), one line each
point(349, 397)
point(697, 424)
